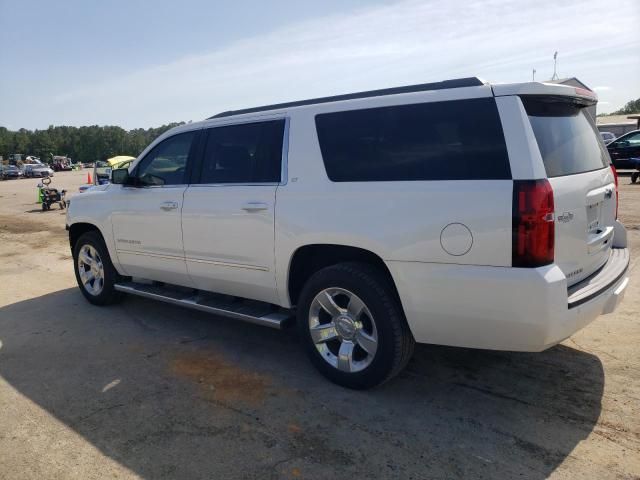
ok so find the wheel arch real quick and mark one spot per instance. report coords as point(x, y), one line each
point(78, 229)
point(308, 259)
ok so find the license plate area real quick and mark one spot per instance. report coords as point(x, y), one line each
point(594, 216)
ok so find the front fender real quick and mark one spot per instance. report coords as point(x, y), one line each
point(93, 208)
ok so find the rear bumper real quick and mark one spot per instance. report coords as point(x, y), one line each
point(503, 308)
point(607, 276)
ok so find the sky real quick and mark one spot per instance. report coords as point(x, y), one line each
point(139, 63)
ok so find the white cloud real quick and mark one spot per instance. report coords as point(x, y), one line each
point(601, 89)
point(397, 44)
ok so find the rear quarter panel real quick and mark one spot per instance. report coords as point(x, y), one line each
point(398, 221)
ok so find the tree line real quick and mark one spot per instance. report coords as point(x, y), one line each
point(82, 144)
point(632, 106)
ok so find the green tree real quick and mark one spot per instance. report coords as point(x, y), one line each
point(632, 106)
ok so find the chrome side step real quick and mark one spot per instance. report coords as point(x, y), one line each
point(250, 311)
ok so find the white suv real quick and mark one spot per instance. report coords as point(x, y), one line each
point(456, 213)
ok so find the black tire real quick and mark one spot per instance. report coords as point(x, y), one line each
point(395, 341)
point(108, 295)
point(634, 177)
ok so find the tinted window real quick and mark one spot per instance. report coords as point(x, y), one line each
point(454, 140)
point(246, 153)
point(166, 163)
point(567, 138)
point(629, 141)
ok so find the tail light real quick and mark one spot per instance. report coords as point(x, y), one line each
point(615, 178)
point(533, 223)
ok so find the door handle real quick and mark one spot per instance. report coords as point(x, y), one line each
point(168, 206)
point(254, 206)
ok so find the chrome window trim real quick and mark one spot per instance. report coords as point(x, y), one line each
point(284, 167)
point(239, 184)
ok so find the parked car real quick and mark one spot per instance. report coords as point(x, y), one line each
point(377, 219)
point(27, 167)
point(37, 170)
point(607, 137)
point(624, 148)
point(11, 172)
point(62, 167)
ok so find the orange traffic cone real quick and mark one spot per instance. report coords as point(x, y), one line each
point(89, 181)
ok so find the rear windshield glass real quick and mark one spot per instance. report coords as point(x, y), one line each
point(455, 140)
point(567, 137)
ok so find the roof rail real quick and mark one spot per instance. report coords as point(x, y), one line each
point(455, 83)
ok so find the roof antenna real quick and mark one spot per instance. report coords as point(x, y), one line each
point(533, 76)
point(555, 67)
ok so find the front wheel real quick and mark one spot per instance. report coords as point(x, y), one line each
point(353, 327)
point(95, 274)
point(634, 177)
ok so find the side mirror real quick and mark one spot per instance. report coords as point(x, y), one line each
point(120, 176)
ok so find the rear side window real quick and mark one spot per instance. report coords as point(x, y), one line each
point(245, 153)
point(454, 140)
point(568, 140)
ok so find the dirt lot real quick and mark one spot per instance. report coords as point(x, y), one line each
point(153, 391)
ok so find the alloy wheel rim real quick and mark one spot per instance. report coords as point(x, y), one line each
point(343, 330)
point(91, 270)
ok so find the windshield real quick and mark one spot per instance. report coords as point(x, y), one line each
point(568, 140)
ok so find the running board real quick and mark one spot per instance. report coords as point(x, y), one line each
point(250, 311)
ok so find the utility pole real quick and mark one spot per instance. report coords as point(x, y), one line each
point(533, 76)
point(555, 67)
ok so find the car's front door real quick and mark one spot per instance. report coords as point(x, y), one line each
point(228, 213)
point(146, 214)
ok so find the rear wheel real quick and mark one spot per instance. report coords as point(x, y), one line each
point(95, 274)
point(353, 327)
point(634, 177)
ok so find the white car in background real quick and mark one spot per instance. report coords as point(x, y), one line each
point(37, 170)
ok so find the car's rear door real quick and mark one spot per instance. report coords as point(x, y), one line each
point(228, 214)
point(578, 168)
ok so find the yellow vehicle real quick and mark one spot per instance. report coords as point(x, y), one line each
point(120, 161)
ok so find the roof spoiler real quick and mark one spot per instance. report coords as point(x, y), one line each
point(581, 95)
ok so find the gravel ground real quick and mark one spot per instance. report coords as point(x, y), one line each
point(146, 390)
